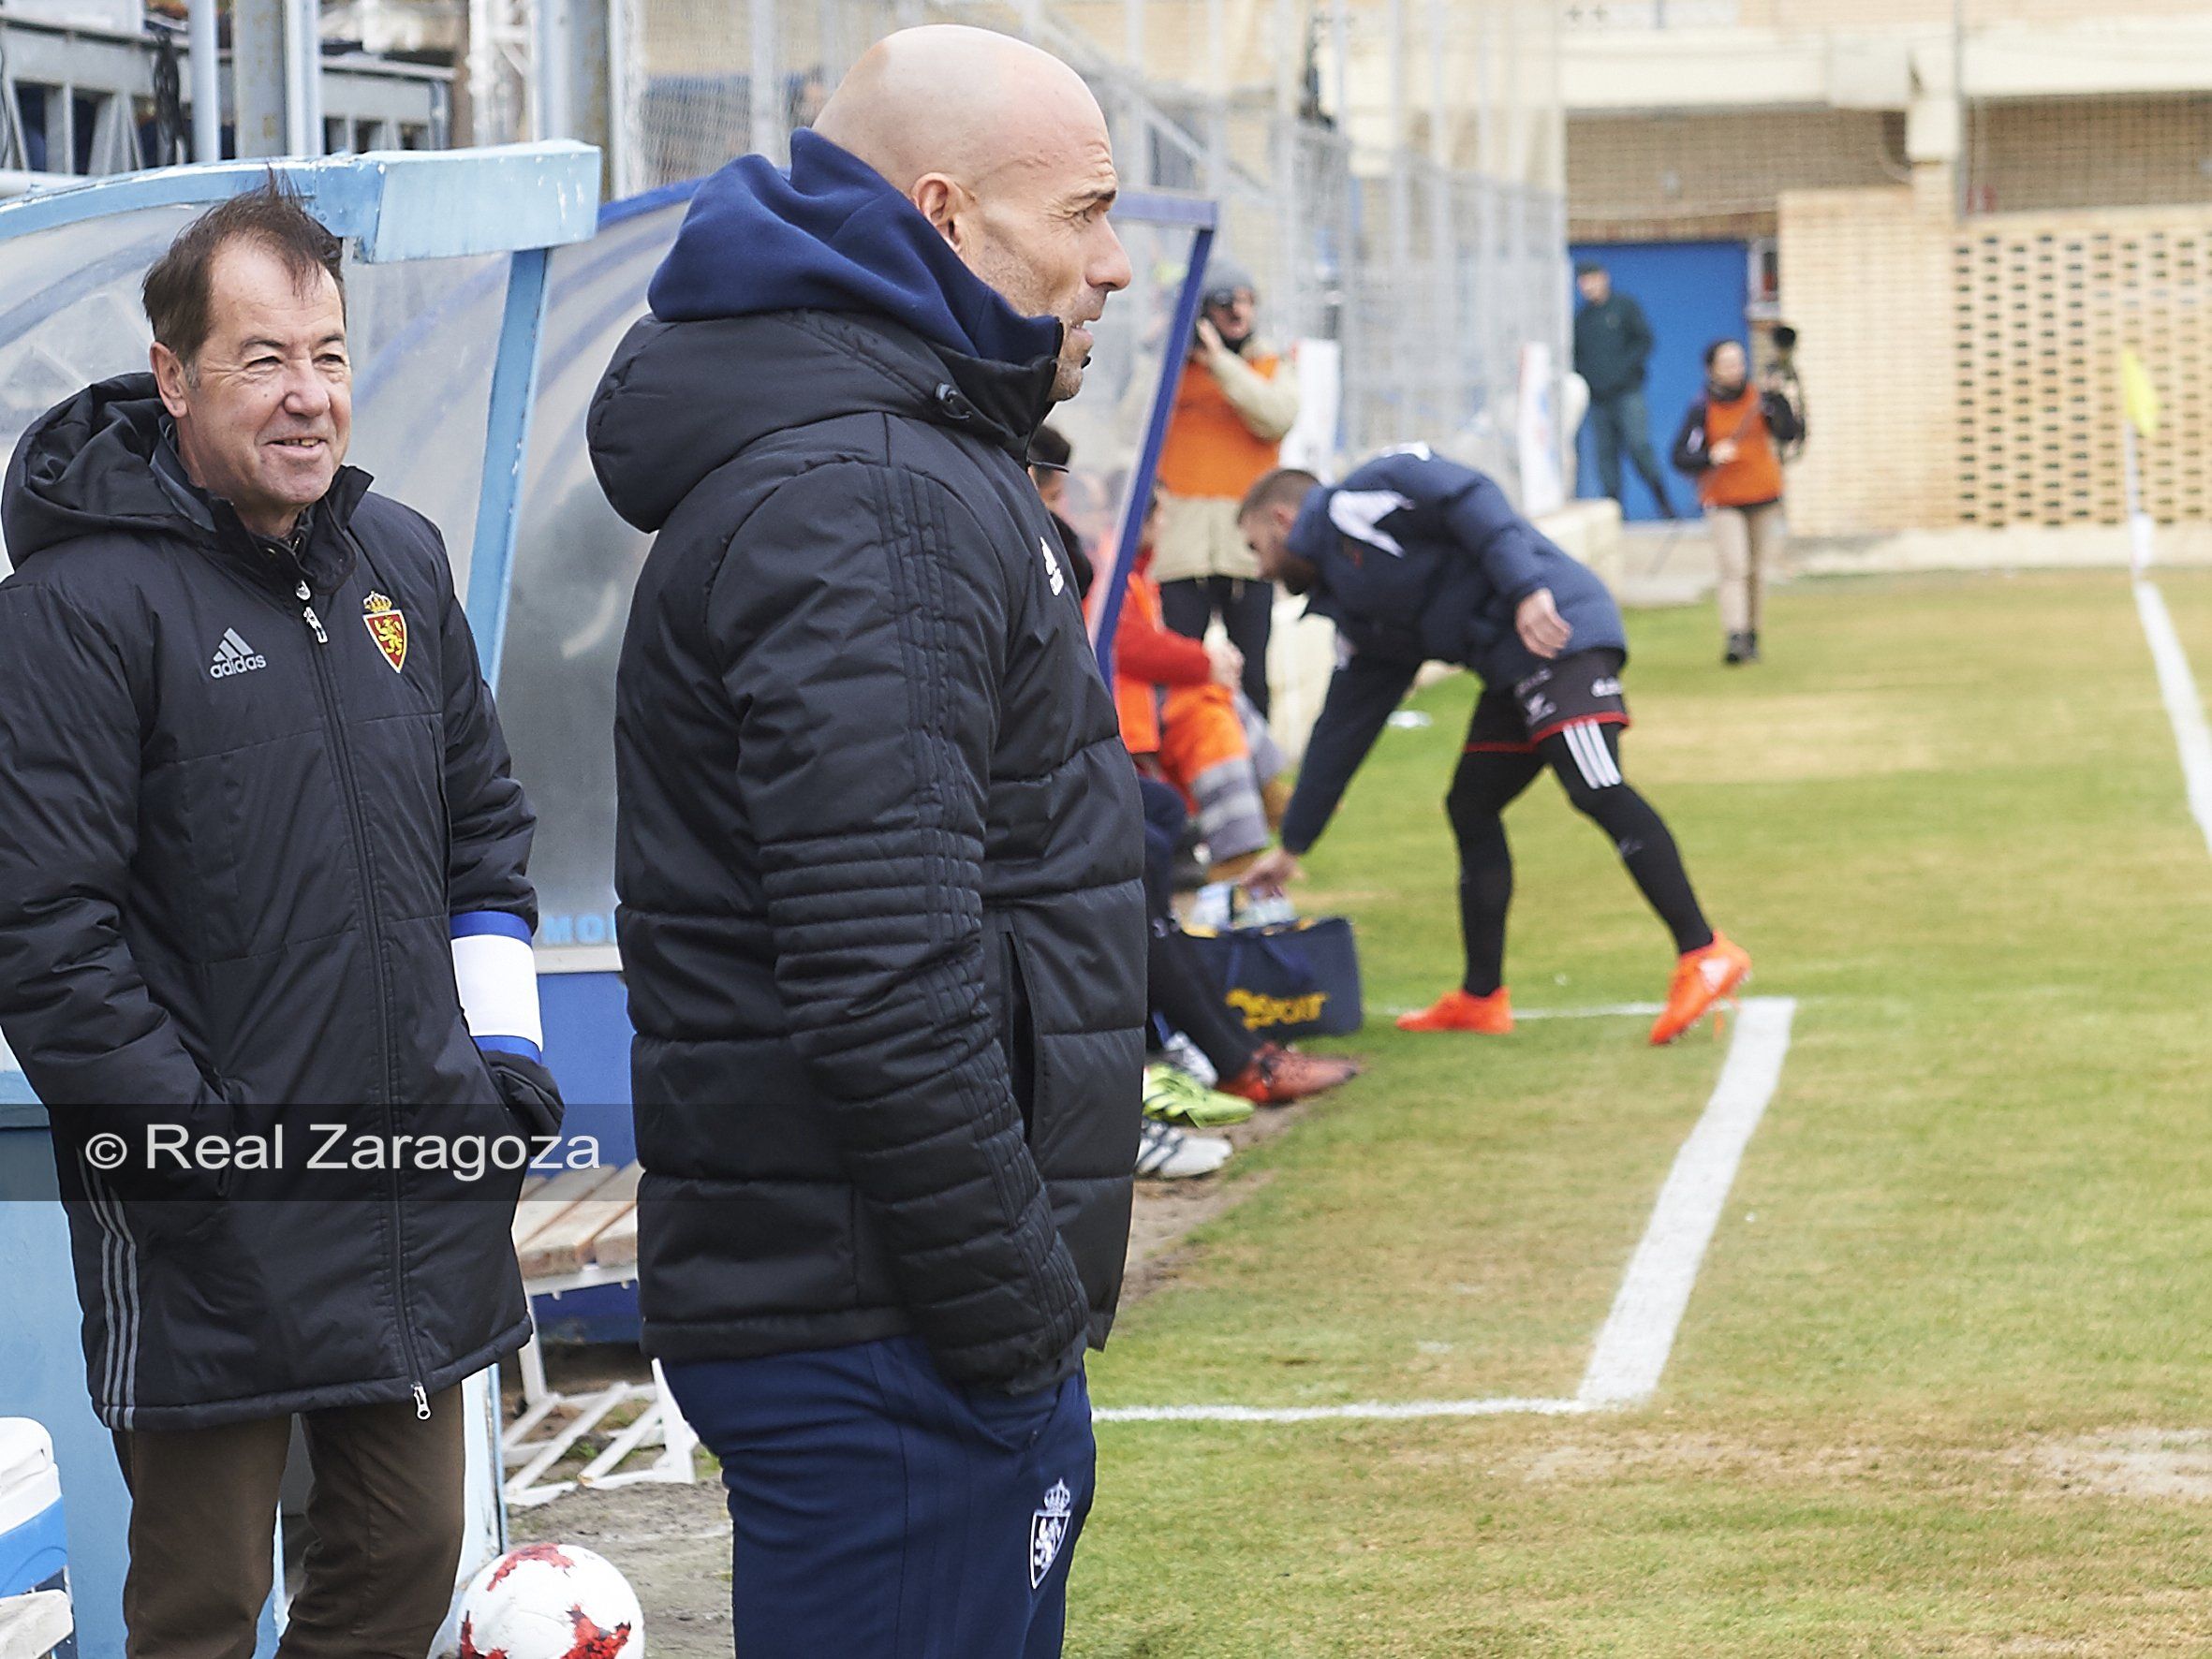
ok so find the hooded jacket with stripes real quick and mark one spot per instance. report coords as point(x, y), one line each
point(241, 830)
point(1419, 559)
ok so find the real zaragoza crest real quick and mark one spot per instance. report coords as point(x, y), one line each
point(1048, 1530)
point(388, 627)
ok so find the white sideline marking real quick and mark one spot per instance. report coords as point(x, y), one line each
point(2184, 707)
point(1639, 1334)
point(1313, 1414)
point(1603, 1011)
point(1614, 1011)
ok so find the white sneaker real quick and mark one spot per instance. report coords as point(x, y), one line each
point(1169, 1154)
point(1187, 1058)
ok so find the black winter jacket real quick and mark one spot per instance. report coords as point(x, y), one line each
point(230, 851)
point(1613, 344)
point(880, 857)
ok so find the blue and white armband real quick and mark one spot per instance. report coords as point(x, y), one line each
point(496, 974)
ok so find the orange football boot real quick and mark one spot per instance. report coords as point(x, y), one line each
point(1277, 1076)
point(1702, 978)
point(1456, 1010)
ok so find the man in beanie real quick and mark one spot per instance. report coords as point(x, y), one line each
point(1236, 401)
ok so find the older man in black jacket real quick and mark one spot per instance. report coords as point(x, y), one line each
point(879, 855)
point(259, 849)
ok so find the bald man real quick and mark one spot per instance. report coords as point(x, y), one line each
point(879, 855)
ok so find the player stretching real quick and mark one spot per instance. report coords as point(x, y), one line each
point(1418, 559)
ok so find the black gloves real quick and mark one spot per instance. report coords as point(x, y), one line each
point(529, 1090)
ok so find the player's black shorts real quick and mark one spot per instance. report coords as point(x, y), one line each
point(1582, 689)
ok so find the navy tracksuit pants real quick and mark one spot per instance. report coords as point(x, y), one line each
point(883, 1512)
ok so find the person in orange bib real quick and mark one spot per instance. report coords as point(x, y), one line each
point(1237, 399)
point(1184, 720)
point(1731, 442)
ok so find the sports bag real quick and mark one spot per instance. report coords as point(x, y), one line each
point(1286, 980)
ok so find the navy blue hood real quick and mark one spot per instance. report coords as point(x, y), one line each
point(833, 235)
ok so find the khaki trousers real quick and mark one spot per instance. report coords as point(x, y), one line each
point(386, 1515)
point(1748, 539)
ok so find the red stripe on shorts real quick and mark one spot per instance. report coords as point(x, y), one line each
point(1558, 727)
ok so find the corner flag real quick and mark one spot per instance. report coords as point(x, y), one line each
point(2138, 396)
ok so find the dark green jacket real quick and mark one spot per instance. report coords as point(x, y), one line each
point(1612, 344)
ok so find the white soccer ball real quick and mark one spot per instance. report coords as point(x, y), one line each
point(550, 1601)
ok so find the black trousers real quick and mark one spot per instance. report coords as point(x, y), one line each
point(1246, 610)
point(1177, 986)
point(1620, 422)
point(1586, 758)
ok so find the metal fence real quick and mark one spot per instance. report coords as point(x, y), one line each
point(1360, 224)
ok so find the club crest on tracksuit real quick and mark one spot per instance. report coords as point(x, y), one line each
point(388, 627)
point(1048, 1530)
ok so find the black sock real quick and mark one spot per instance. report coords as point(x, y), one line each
point(1648, 848)
point(1486, 894)
point(1640, 836)
point(1488, 781)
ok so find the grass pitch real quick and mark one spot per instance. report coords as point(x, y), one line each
point(1941, 1387)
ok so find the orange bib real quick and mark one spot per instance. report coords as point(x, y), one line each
point(1210, 453)
point(1755, 476)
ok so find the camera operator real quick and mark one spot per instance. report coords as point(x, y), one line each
point(1236, 400)
point(1732, 442)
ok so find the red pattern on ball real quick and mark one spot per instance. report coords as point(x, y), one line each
point(591, 1641)
point(548, 1553)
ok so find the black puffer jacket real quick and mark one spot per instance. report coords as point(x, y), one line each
point(229, 857)
point(880, 854)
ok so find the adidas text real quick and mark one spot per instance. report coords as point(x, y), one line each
point(234, 657)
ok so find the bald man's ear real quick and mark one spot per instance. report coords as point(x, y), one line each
point(941, 201)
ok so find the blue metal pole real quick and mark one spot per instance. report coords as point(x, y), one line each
point(1156, 437)
point(507, 446)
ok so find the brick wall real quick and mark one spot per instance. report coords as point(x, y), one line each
point(1860, 15)
point(2084, 152)
point(1866, 275)
point(1679, 177)
point(1967, 374)
point(2042, 305)
point(1673, 178)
